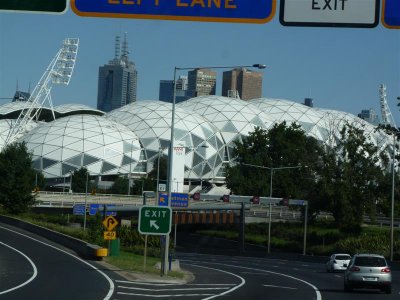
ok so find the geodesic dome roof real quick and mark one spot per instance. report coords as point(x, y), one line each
point(94, 142)
point(233, 117)
point(77, 108)
point(334, 121)
point(310, 120)
point(151, 121)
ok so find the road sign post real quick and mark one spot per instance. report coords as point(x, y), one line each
point(155, 220)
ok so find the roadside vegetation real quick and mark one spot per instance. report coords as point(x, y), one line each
point(348, 177)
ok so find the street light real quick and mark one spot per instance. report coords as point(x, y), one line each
point(84, 218)
point(270, 194)
point(392, 204)
point(171, 145)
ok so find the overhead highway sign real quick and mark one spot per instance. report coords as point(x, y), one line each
point(242, 11)
point(330, 13)
point(43, 6)
point(391, 13)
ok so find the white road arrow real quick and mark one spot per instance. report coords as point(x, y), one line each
point(154, 224)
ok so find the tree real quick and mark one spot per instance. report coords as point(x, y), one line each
point(79, 179)
point(281, 146)
point(17, 178)
point(351, 179)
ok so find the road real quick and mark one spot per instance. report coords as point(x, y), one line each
point(34, 268)
point(230, 277)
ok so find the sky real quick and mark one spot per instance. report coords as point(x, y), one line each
point(340, 68)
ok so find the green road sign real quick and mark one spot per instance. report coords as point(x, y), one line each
point(49, 6)
point(155, 220)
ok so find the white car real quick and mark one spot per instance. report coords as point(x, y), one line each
point(338, 262)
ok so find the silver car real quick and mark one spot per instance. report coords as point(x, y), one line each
point(338, 262)
point(368, 271)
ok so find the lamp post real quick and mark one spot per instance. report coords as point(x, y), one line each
point(171, 145)
point(392, 202)
point(271, 169)
point(84, 218)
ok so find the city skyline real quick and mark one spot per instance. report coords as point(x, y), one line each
point(339, 68)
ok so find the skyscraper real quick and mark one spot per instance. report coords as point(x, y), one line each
point(166, 92)
point(247, 83)
point(117, 84)
point(202, 82)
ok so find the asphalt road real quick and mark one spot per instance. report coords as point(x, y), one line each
point(34, 268)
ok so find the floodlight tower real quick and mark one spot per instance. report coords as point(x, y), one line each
point(59, 71)
point(387, 117)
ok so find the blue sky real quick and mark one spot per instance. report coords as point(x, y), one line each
point(340, 68)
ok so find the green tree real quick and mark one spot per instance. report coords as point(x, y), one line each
point(17, 178)
point(120, 186)
point(281, 146)
point(79, 179)
point(351, 179)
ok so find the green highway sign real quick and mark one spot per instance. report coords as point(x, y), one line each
point(44, 6)
point(155, 220)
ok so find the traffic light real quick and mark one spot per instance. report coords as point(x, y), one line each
point(53, 6)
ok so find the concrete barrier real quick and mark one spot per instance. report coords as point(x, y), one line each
point(81, 247)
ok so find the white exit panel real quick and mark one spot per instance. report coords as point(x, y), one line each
point(330, 13)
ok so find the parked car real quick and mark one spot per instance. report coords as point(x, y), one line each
point(338, 262)
point(368, 271)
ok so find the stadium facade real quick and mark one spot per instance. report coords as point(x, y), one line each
point(128, 140)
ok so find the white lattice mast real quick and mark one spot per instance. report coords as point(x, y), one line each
point(387, 118)
point(59, 71)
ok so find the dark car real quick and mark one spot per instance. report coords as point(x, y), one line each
point(368, 271)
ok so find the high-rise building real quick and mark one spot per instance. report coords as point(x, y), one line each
point(248, 84)
point(166, 92)
point(202, 82)
point(309, 102)
point(369, 115)
point(117, 84)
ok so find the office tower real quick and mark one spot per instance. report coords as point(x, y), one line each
point(246, 83)
point(202, 82)
point(117, 84)
point(166, 92)
point(369, 115)
point(309, 102)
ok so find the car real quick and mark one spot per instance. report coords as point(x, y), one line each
point(338, 262)
point(368, 271)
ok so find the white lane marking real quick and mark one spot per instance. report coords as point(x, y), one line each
point(260, 270)
point(32, 264)
point(254, 273)
point(164, 290)
point(147, 283)
point(226, 272)
point(164, 296)
point(280, 287)
point(174, 284)
point(111, 290)
point(338, 276)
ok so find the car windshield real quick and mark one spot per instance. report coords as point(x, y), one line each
point(370, 261)
point(342, 257)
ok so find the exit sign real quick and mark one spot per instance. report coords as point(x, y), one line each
point(155, 220)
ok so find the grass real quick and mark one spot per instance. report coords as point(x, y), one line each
point(128, 261)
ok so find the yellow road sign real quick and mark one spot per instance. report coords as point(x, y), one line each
point(110, 235)
point(110, 223)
